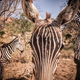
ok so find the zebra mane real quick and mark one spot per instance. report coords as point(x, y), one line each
point(48, 15)
point(15, 39)
point(4, 45)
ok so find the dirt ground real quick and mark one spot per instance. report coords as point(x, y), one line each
point(20, 65)
point(66, 69)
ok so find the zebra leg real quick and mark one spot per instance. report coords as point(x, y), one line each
point(78, 73)
point(2, 71)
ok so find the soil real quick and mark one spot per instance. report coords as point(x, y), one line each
point(66, 69)
point(20, 65)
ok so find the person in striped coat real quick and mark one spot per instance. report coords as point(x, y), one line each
point(6, 51)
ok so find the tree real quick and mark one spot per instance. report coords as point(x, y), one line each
point(7, 8)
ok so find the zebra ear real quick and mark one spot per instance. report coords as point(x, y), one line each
point(69, 12)
point(14, 37)
point(19, 36)
point(30, 10)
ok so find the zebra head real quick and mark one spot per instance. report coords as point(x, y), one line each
point(64, 17)
point(18, 43)
point(46, 39)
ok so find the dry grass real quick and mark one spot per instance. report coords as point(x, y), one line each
point(20, 65)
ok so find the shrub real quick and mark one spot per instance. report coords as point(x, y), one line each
point(68, 36)
point(2, 33)
point(20, 26)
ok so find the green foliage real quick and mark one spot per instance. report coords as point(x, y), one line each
point(20, 25)
point(2, 33)
point(70, 41)
point(68, 36)
point(22, 17)
point(70, 47)
point(8, 24)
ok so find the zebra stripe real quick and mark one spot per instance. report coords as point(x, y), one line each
point(77, 18)
point(77, 40)
point(46, 42)
point(7, 49)
point(5, 52)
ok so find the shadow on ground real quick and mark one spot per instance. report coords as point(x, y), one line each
point(17, 79)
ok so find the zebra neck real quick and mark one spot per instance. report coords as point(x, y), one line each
point(45, 71)
point(12, 47)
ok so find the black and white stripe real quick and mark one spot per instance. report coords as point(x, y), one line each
point(46, 42)
point(77, 39)
point(6, 51)
point(77, 18)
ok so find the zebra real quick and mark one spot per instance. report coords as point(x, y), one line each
point(77, 18)
point(46, 39)
point(46, 50)
point(6, 51)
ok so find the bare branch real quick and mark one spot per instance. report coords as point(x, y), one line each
point(8, 7)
